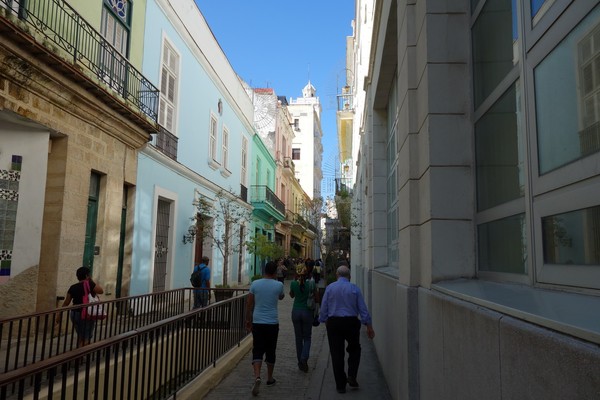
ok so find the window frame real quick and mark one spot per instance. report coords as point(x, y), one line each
point(296, 151)
point(213, 126)
point(225, 147)
point(563, 200)
point(165, 103)
point(567, 188)
point(244, 161)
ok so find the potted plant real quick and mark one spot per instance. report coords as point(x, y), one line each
point(223, 292)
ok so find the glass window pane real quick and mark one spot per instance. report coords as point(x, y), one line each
point(572, 238)
point(392, 176)
point(503, 245)
point(499, 153)
point(493, 36)
point(535, 6)
point(567, 90)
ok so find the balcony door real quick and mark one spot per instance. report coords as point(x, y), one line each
point(115, 26)
point(89, 250)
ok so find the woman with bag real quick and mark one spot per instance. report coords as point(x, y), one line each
point(78, 294)
point(302, 290)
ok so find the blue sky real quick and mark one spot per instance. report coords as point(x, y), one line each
point(282, 44)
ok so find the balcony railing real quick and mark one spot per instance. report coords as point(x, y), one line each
point(345, 99)
point(59, 28)
point(262, 194)
point(166, 142)
point(300, 222)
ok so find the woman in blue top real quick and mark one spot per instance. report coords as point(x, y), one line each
point(301, 290)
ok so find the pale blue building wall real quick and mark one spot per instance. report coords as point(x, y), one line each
point(180, 182)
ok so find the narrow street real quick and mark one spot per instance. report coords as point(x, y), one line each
point(293, 384)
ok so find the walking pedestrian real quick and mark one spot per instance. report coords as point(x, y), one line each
point(341, 307)
point(302, 290)
point(263, 321)
point(281, 270)
point(83, 327)
point(317, 270)
point(202, 294)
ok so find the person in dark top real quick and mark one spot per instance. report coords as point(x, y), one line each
point(83, 327)
point(343, 310)
point(202, 294)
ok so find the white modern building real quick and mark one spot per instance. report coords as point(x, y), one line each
point(478, 186)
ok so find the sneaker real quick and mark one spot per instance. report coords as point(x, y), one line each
point(256, 387)
point(271, 382)
point(352, 382)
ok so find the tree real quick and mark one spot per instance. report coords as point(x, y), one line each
point(222, 221)
point(313, 210)
point(263, 248)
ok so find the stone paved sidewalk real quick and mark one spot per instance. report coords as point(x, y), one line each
point(292, 384)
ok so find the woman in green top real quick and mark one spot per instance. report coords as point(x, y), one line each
point(301, 290)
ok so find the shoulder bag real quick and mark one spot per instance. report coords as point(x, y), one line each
point(95, 311)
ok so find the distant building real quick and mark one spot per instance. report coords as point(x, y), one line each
point(307, 147)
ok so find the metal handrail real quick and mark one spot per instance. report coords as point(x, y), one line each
point(29, 339)
point(61, 27)
point(154, 361)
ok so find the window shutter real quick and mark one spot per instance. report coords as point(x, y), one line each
point(168, 88)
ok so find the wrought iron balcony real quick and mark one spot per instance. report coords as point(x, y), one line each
point(55, 27)
point(264, 199)
point(345, 99)
point(342, 186)
point(166, 142)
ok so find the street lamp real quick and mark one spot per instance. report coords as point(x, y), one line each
point(189, 237)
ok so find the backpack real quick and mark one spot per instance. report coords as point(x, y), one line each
point(196, 278)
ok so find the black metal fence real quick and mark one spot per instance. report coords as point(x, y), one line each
point(166, 142)
point(60, 28)
point(28, 339)
point(152, 361)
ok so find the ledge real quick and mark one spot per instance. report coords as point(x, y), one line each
point(570, 313)
point(213, 164)
point(225, 172)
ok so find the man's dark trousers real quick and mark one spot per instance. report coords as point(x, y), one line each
point(339, 331)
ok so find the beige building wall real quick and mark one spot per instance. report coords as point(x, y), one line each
point(85, 135)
